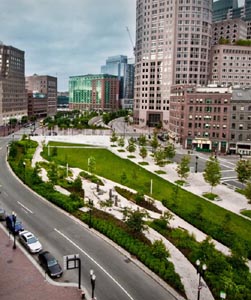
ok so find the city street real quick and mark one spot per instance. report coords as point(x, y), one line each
point(117, 277)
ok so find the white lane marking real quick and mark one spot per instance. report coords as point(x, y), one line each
point(94, 261)
point(26, 208)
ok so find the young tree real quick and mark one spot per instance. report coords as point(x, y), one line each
point(159, 249)
point(143, 152)
point(142, 140)
point(243, 169)
point(91, 164)
point(131, 146)
point(170, 151)
point(160, 157)
point(154, 142)
point(121, 142)
point(212, 172)
point(183, 167)
point(113, 137)
point(247, 191)
point(77, 184)
point(53, 173)
point(135, 220)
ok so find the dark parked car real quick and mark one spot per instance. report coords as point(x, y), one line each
point(50, 264)
point(14, 229)
point(2, 214)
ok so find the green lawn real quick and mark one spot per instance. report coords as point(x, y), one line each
point(217, 222)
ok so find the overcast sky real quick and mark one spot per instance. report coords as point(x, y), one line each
point(67, 37)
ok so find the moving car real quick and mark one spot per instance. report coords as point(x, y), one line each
point(30, 242)
point(14, 229)
point(50, 264)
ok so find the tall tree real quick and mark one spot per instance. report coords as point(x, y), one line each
point(243, 169)
point(212, 172)
point(183, 167)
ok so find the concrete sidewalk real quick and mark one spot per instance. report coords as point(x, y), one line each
point(20, 279)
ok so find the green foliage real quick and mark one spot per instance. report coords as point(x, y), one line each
point(180, 201)
point(243, 169)
point(91, 164)
point(134, 220)
point(121, 142)
point(243, 43)
point(142, 140)
point(212, 172)
point(210, 196)
point(131, 146)
point(170, 151)
point(247, 191)
point(142, 249)
point(113, 137)
point(183, 167)
point(159, 250)
point(77, 184)
point(154, 142)
point(93, 178)
point(160, 157)
point(223, 41)
point(53, 173)
point(143, 152)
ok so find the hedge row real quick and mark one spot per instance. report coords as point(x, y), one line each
point(223, 273)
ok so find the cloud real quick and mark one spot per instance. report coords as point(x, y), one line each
point(63, 38)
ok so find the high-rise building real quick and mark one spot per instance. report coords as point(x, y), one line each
point(172, 47)
point(224, 9)
point(13, 99)
point(231, 65)
point(94, 92)
point(47, 85)
point(231, 30)
point(119, 66)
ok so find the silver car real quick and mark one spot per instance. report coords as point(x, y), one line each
point(30, 242)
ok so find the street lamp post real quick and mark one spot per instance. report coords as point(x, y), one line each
point(14, 219)
point(90, 212)
point(196, 163)
point(200, 270)
point(93, 278)
point(24, 164)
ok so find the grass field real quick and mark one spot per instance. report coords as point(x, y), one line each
point(203, 214)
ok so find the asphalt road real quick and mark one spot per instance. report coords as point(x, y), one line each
point(116, 276)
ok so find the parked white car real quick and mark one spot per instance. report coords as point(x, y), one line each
point(29, 241)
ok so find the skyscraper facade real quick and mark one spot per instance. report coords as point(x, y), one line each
point(13, 99)
point(172, 47)
point(118, 65)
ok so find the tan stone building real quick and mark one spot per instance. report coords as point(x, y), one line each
point(47, 85)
